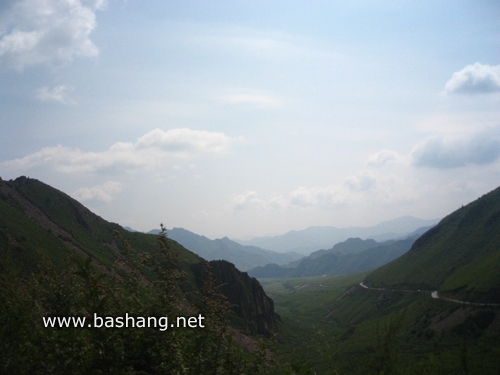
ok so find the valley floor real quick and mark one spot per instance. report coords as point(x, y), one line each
point(329, 323)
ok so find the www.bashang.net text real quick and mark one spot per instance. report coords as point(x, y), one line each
point(127, 321)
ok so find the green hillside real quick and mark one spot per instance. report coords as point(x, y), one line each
point(459, 257)
point(60, 260)
point(36, 218)
point(331, 325)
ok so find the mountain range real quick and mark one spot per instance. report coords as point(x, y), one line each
point(323, 237)
point(351, 256)
point(57, 258)
point(243, 257)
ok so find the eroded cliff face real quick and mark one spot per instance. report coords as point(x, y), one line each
point(245, 294)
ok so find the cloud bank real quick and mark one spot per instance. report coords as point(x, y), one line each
point(325, 196)
point(388, 177)
point(444, 152)
point(475, 79)
point(149, 151)
point(34, 32)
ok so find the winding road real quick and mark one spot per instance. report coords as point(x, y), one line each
point(435, 295)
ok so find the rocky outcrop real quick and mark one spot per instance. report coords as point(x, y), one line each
point(245, 294)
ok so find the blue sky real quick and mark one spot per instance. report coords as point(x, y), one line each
point(247, 118)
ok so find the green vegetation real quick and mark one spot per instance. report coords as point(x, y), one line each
point(345, 329)
point(460, 256)
point(400, 329)
point(80, 290)
point(58, 259)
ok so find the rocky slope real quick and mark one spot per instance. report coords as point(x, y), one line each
point(245, 294)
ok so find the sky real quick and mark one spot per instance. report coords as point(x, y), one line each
point(250, 118)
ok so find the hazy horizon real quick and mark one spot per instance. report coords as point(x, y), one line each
point(245, 119)
point(294, 229)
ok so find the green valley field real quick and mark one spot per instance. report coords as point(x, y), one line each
point(331, 325)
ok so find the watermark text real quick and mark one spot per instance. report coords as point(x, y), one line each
point(127, 321)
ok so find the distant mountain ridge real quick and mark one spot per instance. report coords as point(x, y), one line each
point(350, 256)
point(349, 246)
point(313, 238)
point(460, 256)
point(243, 257)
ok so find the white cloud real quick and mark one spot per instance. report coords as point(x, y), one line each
point(299, 197)
point(390, 184)
point(34, 32)
point(102, 193)
point(185, 142)
point(366, 186)
point(151, 150)
point(475, 79)
point(58, 94)
point(443, 152)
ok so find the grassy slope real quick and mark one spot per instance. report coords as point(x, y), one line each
point(350, 335)
point(305, 337)
point(22, 240)
point(22, 237)
point(33, 217)
point(461, 252)
point(360, 334)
